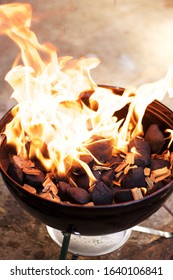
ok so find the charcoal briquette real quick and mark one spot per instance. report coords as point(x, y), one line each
point(142, 154)
point(97, 174)
point(134, 178)
point(159, 163)
point(15, 172)
point(102, 194)
point(62, 190)
point(78, 195)
point(107, 177)
point(159, 185)
point(116, 160)
point(87, 159)
point(100, 148)
point(35, 180)
point(155, 138)
point(82, 181)
point(123, 195)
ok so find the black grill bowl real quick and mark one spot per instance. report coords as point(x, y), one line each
point(92, 220)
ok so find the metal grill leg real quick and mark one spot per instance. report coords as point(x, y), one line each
point(165, 234)
point(65, 245)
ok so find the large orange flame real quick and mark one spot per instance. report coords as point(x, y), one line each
point(51, 115)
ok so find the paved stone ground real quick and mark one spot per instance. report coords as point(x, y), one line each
point(133, 39)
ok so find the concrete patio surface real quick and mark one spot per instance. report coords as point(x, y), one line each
point(133, 39)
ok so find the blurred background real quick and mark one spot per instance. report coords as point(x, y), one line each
point(133, 40)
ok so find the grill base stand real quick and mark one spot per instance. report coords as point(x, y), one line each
point(88, 245)
point(96, 245)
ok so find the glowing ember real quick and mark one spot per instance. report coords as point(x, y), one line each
point(52, 121)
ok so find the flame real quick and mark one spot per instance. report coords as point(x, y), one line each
point(51, 121)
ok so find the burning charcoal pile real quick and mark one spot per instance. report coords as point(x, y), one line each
point(70, 145)
point(120, 178)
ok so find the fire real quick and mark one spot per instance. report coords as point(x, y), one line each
point(52, 121)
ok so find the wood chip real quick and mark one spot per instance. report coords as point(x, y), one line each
point(31, 171)
point(160, 178)
point(100, 168)
point(89, 204)
point(144, 191)
point(149, 182)
point(50, 186)
point(137, 193)
point(49, 175)
point(29, 188)
point(121, 166)
point(119, 174)
point(56, 198)
point(160, 174)
point(129, 160)
point(49, 196)
point(128, 167)
point(147, 171)
point(117, 183)
point(166, 155)
point(46, 195)
point(22, 162)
